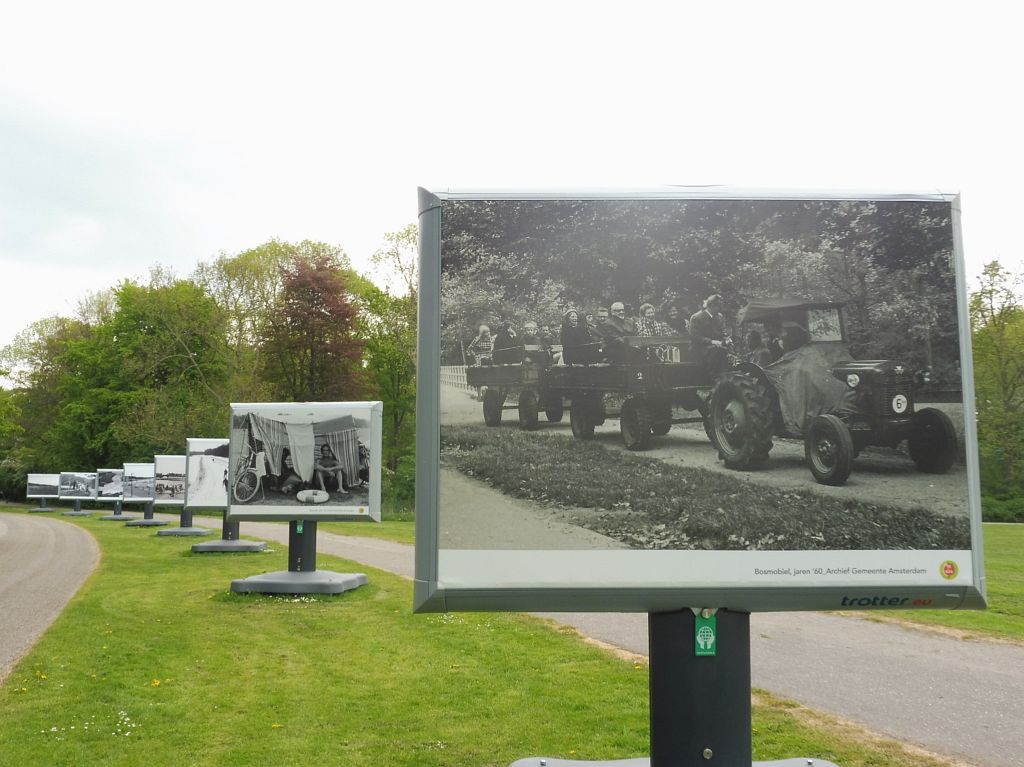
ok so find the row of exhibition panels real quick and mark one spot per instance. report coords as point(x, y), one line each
point(243, 474)
point(198, 480)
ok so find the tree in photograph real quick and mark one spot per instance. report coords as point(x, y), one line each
point(997, 319)
point(311, 349)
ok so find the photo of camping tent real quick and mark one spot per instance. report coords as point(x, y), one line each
point(138, 481)
point(42, 486)
point(169, 486)
point(305, 461)
point(206, 473)
point(110, 484)
point(77, 484)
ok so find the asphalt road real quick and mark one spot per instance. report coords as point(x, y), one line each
point(43, 562)
point(956, 698)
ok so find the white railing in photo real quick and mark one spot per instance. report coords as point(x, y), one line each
point(455, 377)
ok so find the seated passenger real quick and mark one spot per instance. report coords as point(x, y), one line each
point(535, 349)
point(578, 346)
point(508, 349)
point(481, 347)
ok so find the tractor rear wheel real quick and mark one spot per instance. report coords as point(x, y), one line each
point(740, 420)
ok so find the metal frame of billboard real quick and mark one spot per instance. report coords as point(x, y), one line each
point(266, 503)
point(665, 580)
point(43, 479)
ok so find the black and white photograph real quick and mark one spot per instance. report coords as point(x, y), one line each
point(169, 480)
point(701, 374)
point(42, 486)
point(77, 484)
point(139, 481)
point(305, 461)
point(206, 473)
point(110, 484)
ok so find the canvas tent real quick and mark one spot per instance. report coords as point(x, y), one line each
point(304, 439)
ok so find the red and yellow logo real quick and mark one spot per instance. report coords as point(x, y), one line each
point(949, 569)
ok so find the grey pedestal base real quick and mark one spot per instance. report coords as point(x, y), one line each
point(195, 531)
point(77, 513)
point(38, 509)
point(539, 761)
point(289, 582)
point(146, 523)
point(228, 546)
point(118, 518)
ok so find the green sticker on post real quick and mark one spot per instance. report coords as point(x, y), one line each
point(705, 634)
point(298, 527)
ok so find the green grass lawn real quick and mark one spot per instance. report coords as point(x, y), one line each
point(1004, 574)
point(155, 662)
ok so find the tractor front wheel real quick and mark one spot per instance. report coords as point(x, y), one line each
point(828, 448)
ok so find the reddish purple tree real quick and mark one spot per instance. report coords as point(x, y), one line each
point(312, 351)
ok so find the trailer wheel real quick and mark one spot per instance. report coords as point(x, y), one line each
point(528, 410)
point(740, 416)
point(581, 418)
point(828, 448)
point(635, 424)
point(932, 443)
point(554, 410)
point(662, 421)
point(493, 401)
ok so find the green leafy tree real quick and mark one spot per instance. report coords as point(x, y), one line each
point(246, 286)
point(997, 318)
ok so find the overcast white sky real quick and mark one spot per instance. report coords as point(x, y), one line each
point(140, 133)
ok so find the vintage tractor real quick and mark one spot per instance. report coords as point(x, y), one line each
point(818, 393)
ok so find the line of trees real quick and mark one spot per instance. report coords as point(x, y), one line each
point(997, 321)
point(142, 367)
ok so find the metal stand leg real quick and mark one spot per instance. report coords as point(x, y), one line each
point(77, 510)
point(700, 706)
point(148, 520)
point(302, 577)
point(229, 541)
point(184, 527)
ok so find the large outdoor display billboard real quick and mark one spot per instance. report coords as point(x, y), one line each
point(77, 484)
point(305, 461)
point(169, 480)
point(206, 473)
point(110, 484)
point(694, 398)
point(139, 481)
point(42, 486)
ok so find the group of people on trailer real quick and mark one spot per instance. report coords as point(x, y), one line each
point(590, 337)
point(328, 474)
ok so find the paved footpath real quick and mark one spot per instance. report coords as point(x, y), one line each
point(43, 562)
point(961, 699)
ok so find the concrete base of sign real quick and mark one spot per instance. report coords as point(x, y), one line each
point(118, 518)
point(146, 523)
point(185, 531)
point(289, 582)
point(539, 761)
point(41, 507)
point(78, 513)
point(228, 546)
